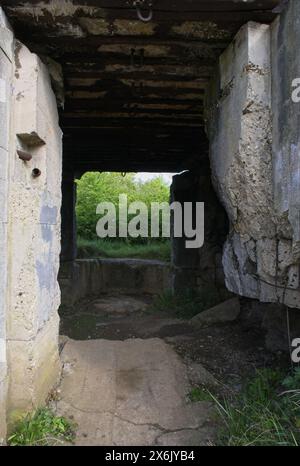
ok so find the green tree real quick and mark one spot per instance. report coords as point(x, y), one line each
point(94, 188)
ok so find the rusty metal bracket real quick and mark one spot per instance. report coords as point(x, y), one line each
point(25, 156)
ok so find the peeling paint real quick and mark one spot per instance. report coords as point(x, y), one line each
point(120, 27)
point(200, 30)
point(195, 84)
point(55, 8)
point(251, 67)
point(69, 30)
point(149, 50)
point(171, 70)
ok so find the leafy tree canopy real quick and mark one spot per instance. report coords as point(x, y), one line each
point(94, 188)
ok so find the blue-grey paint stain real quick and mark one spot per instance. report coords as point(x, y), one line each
point(45, 274)
point(47, 233)
point(47, 282)
point(48, 215)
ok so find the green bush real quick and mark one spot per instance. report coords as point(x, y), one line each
point(41, 429)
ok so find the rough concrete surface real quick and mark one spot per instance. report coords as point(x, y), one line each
point(118, 306)
point(131, 393)
point(227, 311)
point(255, 159)
point(6, 47)
point(29, 230)
point(128, 392)
point(93, 276)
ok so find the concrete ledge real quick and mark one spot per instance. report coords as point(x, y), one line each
point(95, 276)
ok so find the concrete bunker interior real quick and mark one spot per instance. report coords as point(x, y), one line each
point(201, 88)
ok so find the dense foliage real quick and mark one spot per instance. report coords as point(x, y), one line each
point(94, 188)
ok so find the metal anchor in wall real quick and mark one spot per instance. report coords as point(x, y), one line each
point(140, 6)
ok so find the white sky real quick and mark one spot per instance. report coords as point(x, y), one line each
point(149, 176)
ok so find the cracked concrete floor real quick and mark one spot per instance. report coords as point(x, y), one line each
point(131, 393)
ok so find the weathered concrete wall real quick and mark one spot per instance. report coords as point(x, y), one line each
point(34, 229)
point(258, 183)
point(285, 33)
point(97, 276)
point(6, 60)
point(29, 230)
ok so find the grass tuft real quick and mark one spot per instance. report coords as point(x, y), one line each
point(263, 414)
point(188, 303)
point(199, 394)
point(42, 428)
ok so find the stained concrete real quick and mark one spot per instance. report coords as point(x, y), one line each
point(86, 277)
point(131, 393)
point(257, 181)
point(34, 233)
point(29, 230)
point(285, 32)
point(255, 159)
point(6, 68)
point(227, 311)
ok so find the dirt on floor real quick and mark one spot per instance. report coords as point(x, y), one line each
point(230, 351)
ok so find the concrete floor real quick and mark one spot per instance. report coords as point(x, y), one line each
point(129, 368)
point(131, 393)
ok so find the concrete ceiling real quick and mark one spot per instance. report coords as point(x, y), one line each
point(134, 90)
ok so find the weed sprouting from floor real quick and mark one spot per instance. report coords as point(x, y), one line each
point(267, 412)
point(199, 394)
point(42, 428)
point(188, 303)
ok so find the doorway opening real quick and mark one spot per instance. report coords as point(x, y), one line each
point(95, 188)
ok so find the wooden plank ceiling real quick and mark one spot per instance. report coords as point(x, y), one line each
point(134, 90)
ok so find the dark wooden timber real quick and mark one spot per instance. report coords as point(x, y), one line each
point(134, 92)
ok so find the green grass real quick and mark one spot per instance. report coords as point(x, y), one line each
point(199, 394)
point(267, 412)
point(42, 428)
point(117, 249)
point(188, 303)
